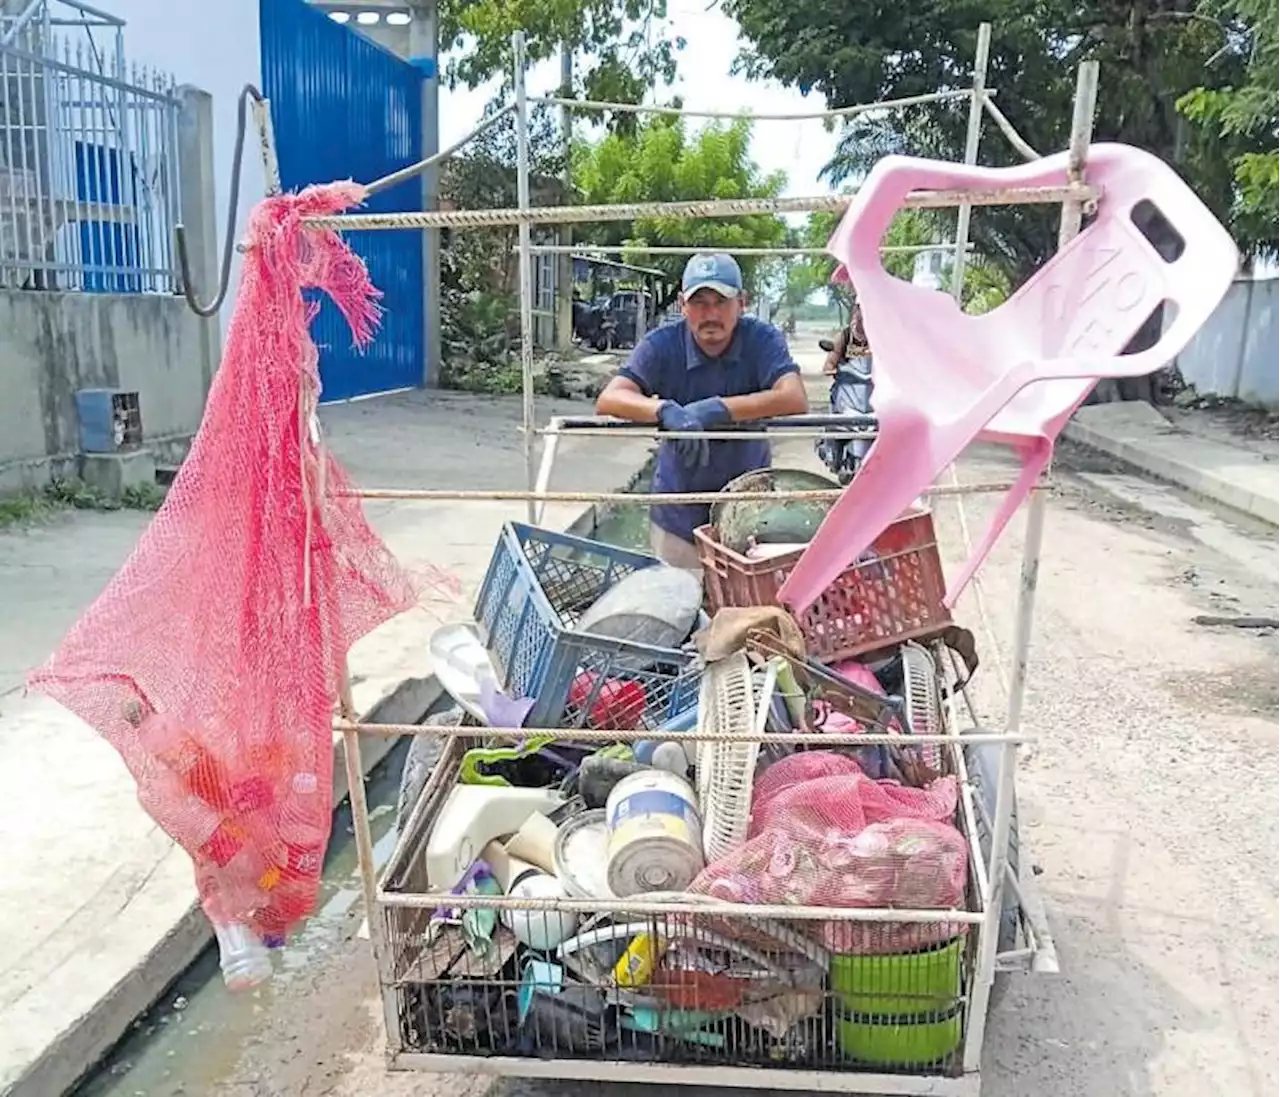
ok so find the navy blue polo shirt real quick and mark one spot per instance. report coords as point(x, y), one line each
point(668, 364)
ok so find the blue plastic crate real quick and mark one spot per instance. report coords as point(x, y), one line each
point(538, 585)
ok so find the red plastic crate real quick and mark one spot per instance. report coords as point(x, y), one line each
point(890, 598)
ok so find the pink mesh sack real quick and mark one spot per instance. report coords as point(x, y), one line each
point(212, 661)
point(846, 803)
point(794, 769)
point(824, 834)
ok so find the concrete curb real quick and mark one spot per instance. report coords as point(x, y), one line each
point(1185, 475)
point(81, 1046)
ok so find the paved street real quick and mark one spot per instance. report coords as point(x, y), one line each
point(1148, 802)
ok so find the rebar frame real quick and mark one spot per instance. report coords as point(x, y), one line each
point(990, 877)
point(664, 249)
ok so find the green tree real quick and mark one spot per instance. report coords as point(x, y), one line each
point(1245, 117)
point(1152, 53)
point(624, 47)
point(985, 283)
point(661, 161)
point(799, 283)
point(479, 269)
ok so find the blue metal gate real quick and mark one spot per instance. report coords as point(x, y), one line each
point(344, 108)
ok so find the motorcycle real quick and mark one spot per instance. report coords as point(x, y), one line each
point(851, 388)
point(593, 325)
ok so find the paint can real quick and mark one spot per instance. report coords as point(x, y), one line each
point(655, 834)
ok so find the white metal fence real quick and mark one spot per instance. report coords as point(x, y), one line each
point(88, 157)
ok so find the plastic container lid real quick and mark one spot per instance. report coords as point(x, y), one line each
point(462, 665)
point(582, 856)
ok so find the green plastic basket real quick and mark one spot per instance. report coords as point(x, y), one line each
point(902, 984)
point(920, 1041)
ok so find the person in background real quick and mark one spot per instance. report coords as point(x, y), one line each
point(850, 343)
point(714, 367)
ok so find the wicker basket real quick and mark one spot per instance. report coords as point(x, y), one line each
point(892, 596)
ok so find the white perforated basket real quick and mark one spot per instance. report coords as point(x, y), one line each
point(731, 702)
point(924, 704)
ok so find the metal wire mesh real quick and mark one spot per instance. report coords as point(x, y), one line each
point(734, 1008)
point(685, 986)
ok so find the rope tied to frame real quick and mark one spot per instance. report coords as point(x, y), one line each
point(718, 207)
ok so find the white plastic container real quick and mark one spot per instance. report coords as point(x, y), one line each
point(472, 817)
point(543, 930)
point(244, 959)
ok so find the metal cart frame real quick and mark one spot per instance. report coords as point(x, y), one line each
point(990, 875)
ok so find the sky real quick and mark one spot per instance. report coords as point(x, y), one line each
point(798, 148)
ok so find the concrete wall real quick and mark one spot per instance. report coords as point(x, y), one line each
point(1236, 353)
point(215, 46)
point(55, 343)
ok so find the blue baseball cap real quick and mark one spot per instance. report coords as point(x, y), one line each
point(716, 271)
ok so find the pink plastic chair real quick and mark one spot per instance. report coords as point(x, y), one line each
point(1017, 374)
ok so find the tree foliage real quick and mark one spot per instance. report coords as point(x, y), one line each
point(1152, 53)
point(1245, 116)
point(985, 284)
point(624, 47)
point(479, 269)
point(661, 161)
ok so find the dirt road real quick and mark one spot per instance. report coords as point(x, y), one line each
point(1149, 803)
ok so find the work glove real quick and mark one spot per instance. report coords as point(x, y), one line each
point(700, 415)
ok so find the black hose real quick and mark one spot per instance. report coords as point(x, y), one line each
point(233, 207)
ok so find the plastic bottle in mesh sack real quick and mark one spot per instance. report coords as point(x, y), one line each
point(258, 828)
point(295, 879)
point(244, 959)
point(225, 893)
point(255, 897)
